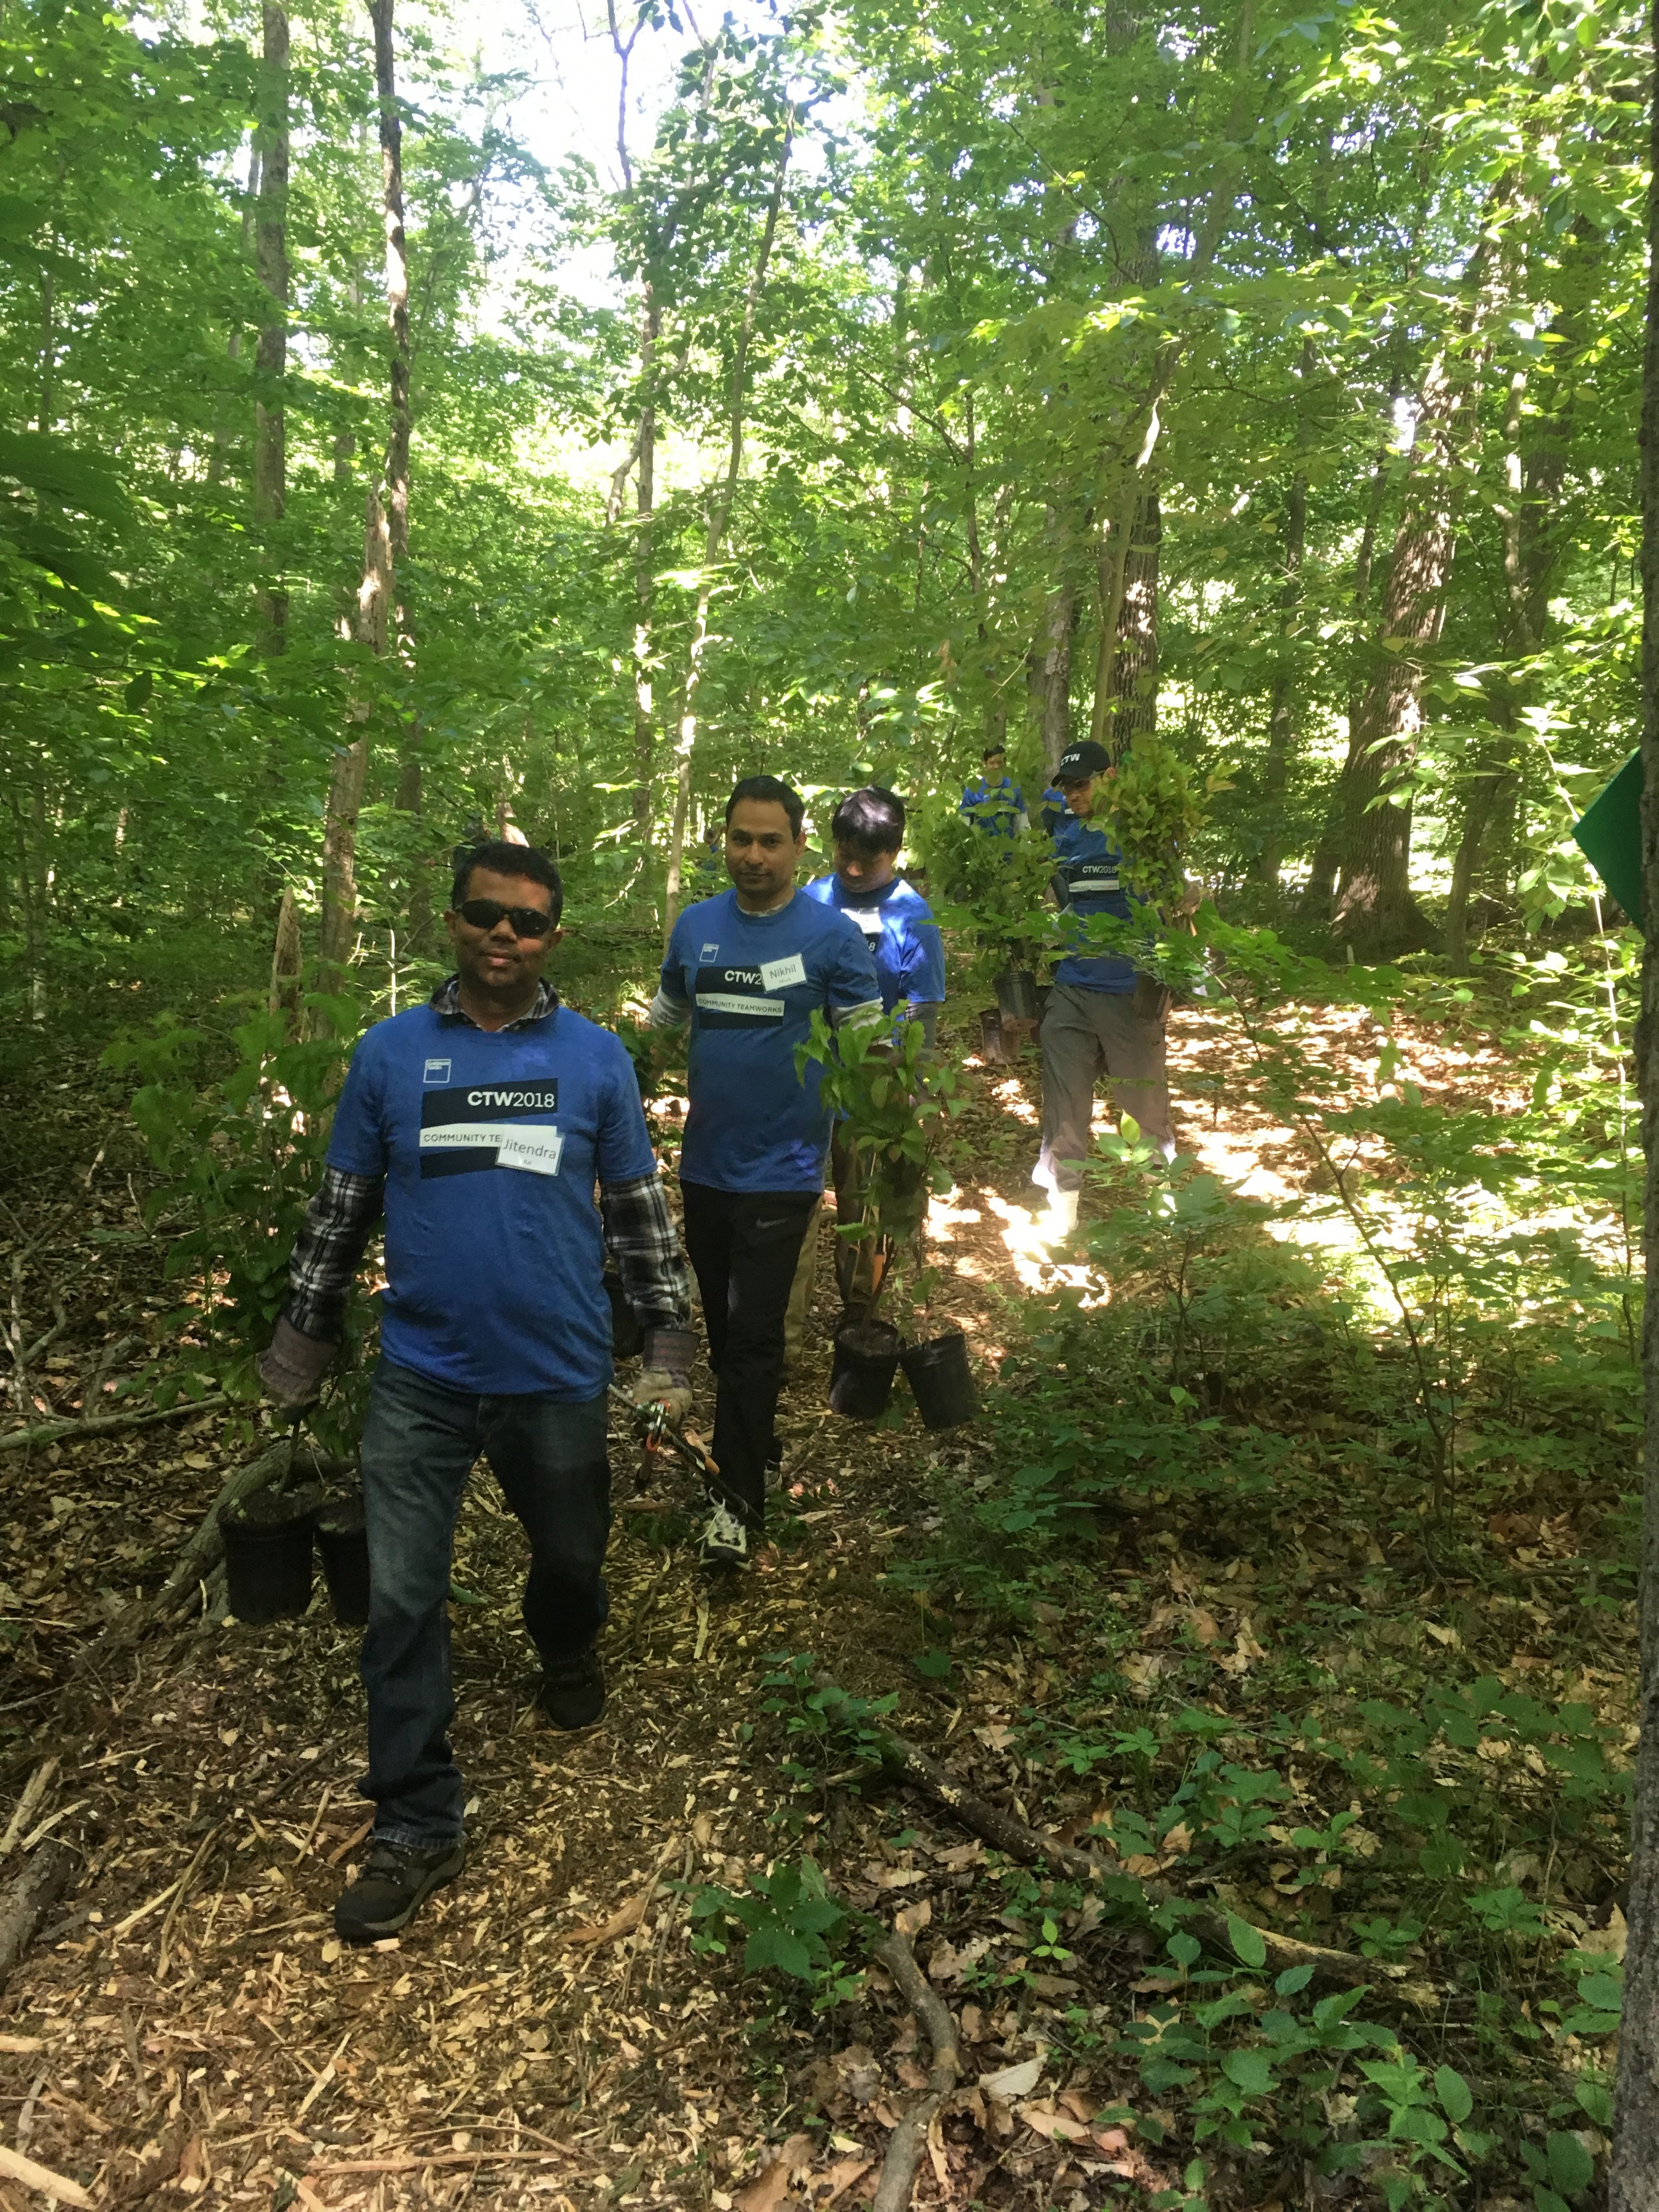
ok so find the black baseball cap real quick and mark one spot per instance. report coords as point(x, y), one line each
point(1081, 761)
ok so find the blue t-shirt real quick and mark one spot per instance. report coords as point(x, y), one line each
point(897, 925)
point(1003, 803)
point(1088, 863)
point(490, 1142)
point(753, 983)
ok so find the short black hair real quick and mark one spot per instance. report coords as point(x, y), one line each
point(771, 791)
point(503, 859)
point(871, 820)
point(994, 753)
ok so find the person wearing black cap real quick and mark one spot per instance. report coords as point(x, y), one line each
point(1091, 1026)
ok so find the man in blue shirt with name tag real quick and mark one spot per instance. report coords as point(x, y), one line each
point(868, 834)
point(478, 1126)
point(748, 970)
point(1091, 1025)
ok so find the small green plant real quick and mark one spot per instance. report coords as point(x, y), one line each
point(788, 1923)
point(1158, 806)
point(893, 1105)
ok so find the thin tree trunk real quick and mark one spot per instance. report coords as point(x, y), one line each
point(234, 343)
point(720, 515)
point(1282, 710)
point(1319, 893)
point(48, 344)
point(1111, 562)
point(271, 352)
point(1134, 676)
point(1054, 669)
point(645, 725)
point(385, 531)
point(1633, 2176)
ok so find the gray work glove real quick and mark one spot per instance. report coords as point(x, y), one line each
point(292, 1367)
point(666, 1371)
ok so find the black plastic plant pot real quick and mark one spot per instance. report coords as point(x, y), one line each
point(941, 1380)
point(343, 1542)
point(627, 1337)
point(866, 1360)
point(267, 1566)
point(1017, 994)
point(990, 1038)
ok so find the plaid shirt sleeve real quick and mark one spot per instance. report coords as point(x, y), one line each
point(639, 1231)
point(339, 1223)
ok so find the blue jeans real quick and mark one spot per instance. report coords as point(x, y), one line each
point(420, 1442)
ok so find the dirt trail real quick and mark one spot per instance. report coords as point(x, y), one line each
point(543, 2030)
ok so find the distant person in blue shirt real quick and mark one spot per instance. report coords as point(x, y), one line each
point(867, 833)
point(995, 804)
point(477, 1126)
point(1091, 1026)
point(748, 970)
point(707, 864)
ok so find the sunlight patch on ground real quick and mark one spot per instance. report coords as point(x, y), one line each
point(1013, 1100)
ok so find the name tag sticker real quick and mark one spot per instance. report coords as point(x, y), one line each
point(868, 919)
point(536, 1151)
point(777, 975)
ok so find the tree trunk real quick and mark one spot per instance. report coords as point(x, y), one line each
point(1134, 669)
point(720, 515)
point(644, 563)
point(1481, 806)
point(1319, 893)
point(271, 147)
point(1282, 710)
point(1111, 560)
point(1633, 2174)
point(1054, 667)
point(385, 534)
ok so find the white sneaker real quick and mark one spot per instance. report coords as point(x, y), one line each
point(1058, 1216)
point(725, 1541)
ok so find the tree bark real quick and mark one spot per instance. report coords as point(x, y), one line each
point(1633, 2173)
point(1281, 709)
point(1134, 668)
point(645, 725)
point(1053, 668)
point(719, 516)
point(46, 1876)
point(386, 535)
point(270, 148)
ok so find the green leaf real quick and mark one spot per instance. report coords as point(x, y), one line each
point(1292, 1979)
point(1595, 2102)
point(1571, 2167)
point(780, 1948)
point(1605, 1991)
point(1250, 2071)
point(1247, 1941)
point(1453, 2091)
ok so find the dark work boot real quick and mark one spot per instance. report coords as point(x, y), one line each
point(394, 1881)
point(571, 1694)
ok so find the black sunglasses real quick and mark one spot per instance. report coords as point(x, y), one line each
point(526, 920)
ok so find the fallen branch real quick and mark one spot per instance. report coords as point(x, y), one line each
point(905, 2145)
point(27, 1805)
point(107, 1425)
point(1018, 1840)
point(16, 2167)
point(44, 1878)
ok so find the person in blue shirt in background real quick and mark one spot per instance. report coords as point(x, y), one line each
point(477, 1126)
point(748, 970)
point(867, 833)
point(995, 804)
point(1090, 1025)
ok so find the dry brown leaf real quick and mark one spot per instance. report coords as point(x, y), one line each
point(840, 2177)
point(911, 1919)
point(770, 2189)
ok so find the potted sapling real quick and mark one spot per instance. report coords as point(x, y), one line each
point(892, 1107)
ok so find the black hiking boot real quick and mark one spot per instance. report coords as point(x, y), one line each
point(395, 1879)
point(571, 1694)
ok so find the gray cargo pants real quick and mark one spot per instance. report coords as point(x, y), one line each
point(1086, 1034)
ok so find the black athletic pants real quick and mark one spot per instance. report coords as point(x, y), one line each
point(744, 1245)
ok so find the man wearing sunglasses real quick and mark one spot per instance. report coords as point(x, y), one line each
point(478, 1126)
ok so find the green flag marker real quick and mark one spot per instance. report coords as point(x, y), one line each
point(1610, 837)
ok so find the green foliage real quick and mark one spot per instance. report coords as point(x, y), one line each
point(1157, 809)
point(239, 1157)
point(790, 1926)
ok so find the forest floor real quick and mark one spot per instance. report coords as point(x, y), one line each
point(544, 2030)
